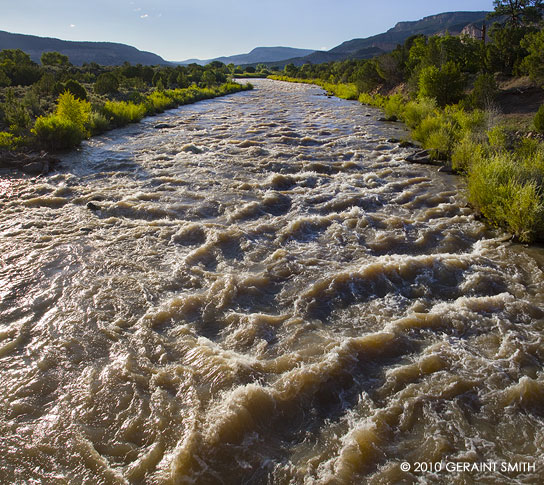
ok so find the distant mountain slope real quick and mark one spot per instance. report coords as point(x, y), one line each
point(105, 53)
point(452, 22)
point(257, 55)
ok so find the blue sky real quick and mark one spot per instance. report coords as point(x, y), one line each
point(182, 29)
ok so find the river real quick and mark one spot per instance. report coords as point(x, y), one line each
point(263, 291)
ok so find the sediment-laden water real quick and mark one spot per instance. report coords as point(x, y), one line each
point(262, 292)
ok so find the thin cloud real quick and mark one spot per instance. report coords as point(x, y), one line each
point(72, 26)
point(144, 16)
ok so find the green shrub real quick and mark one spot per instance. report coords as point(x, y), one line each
point(508, 194)
point(539, 120)
point(9, 141)
point(56, 132)
point(485, 91)
point(76, 89)
point(98, 123)
point(121, 113)
point(106, 83)
point(159, 101)
point(394, 107)
point(75, 110)
point(445, 84)
point(465, 153)
point(416, 111)
point(497, 138)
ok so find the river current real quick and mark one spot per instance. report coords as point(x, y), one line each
point(262, 291)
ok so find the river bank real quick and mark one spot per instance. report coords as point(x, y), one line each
point(504, 172)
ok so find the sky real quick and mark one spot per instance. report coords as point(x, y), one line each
point(183, 29)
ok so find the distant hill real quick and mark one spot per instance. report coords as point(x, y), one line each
point(105, 53)
point(452, 22)
point(256, 56)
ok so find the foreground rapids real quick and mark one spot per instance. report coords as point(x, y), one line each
point(262, 291)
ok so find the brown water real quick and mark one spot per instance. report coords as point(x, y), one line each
point(268, 293)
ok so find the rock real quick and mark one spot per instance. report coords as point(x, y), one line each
point(160, 126)
point(406, 144)
point(393, 140)
point(33, 168)
point(92, 206)
point(446, 169)
point(421, 157)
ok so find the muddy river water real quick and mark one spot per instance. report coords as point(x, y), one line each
point(263, 291)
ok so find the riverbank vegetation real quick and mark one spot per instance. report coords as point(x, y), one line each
point(475, 103)
point(56, 105)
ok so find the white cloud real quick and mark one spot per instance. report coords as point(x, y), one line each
point(72, 26)
point(144, 16)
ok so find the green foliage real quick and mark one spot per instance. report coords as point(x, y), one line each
point(465, 153)
point(55, 132)
point(533, 64)
point(16, 115)
point(507, 193)
point(445, 84)
point(497, 139)
point(120, 113)
point(98, 123)
point(485, 91)
point(506, 52)
point(106, 83)
point(18, 67)
point(518, 12)
point(75, 110)
point(539, 120)
point(394, 107)
point(4, 79)
point(54, 59)
point(416, 111)
point(8, 141)
point(76, 89)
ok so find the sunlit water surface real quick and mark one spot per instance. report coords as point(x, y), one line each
point(265, 293)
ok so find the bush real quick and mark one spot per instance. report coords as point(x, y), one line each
point(98, 123)
point(504, 192)
point(539, 120)
point(121, 113)
point(416, 111)
point(76, 89)
point(445, 84)
point(485, 91)
point(75, 110)
point(56, 132)
point(106, 83)
point(465, 153)
point(9, 141)
point(394, 107)
point(159, 101)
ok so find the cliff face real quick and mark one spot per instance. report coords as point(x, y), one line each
point(452, 22)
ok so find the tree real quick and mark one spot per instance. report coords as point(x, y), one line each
point(54, 59)
point(18, 67)
point(106, 83)
point(518, 12)
point(533, 64)
point(445, 84)
point(76, 89)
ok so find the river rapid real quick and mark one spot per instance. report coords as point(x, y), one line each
point(264, 292)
